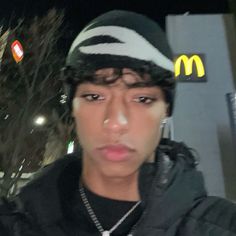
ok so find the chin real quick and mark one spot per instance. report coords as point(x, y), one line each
point(119, 172)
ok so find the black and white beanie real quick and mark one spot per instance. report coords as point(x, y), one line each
point(122, 39)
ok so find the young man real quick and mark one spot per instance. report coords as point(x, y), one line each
point(126, 180)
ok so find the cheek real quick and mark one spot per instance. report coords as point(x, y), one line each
point(153, 117)
point(148, 125)
point(82, 114)
point(158, 112)
point(86, 120)
point(85, 129)
point(75, 105)
point(157, 115)
point(150, 129)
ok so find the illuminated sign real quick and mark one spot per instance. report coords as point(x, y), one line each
point(190, 68)
point(17, 51)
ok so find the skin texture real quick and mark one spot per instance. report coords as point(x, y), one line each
point(117, 115)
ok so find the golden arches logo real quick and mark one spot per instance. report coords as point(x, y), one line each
point(188, 65)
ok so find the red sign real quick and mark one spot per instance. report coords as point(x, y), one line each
point(17, 51)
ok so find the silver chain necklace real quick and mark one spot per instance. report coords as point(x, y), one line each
point(95, 219)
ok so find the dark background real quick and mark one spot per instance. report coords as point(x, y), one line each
point(79, 12)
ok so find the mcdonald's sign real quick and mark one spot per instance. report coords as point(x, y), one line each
point(190, 68)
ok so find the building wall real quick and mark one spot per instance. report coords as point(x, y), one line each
point(201, 117)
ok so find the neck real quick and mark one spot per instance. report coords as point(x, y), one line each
point(117, 188)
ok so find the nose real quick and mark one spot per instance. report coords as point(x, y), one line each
point(116, 117)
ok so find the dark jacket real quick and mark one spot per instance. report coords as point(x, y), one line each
point(172, 191)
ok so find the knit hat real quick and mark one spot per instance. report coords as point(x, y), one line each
point(122, 39)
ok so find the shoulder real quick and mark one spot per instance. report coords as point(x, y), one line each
point(48, 176)
point(39, 202)
point(50, 185)
point(216, 215)
point(6, 216)
point(13, 222)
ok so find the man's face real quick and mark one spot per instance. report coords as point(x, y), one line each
point(118, 126)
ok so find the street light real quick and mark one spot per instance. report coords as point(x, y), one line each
point(40, 120)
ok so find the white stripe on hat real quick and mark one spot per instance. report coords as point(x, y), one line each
point(133, 45)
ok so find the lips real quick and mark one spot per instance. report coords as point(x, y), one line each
point(116, 153)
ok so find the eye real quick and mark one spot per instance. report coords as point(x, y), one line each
point(145, 100)
point(92, 97)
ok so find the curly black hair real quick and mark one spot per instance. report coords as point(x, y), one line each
point(162, 78)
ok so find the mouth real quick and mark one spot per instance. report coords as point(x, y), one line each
point(116, 153)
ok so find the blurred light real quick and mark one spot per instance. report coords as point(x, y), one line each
point(63, 98)
point(62, 101)
point(21, 167)
point(40, 120)
point(6, 117)
point(17, 51)
point(70, 147)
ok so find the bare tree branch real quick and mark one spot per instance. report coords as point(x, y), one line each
point(28, 89)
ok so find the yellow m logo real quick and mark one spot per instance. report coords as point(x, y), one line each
point(188, 65)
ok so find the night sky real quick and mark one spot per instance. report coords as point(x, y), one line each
point(79, 12)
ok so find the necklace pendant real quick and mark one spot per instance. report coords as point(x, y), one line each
point(105, 233)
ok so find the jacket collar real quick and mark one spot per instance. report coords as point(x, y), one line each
point(174, 189)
